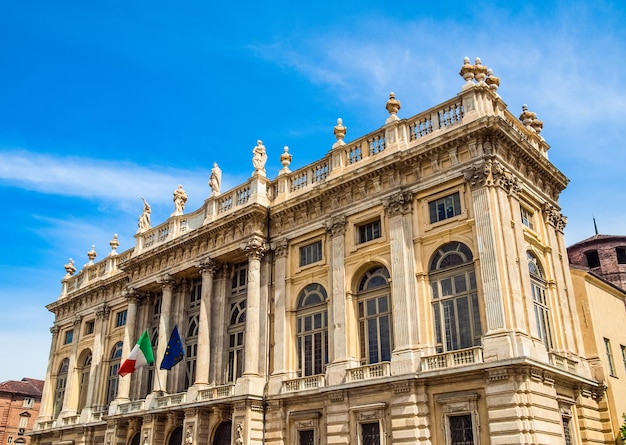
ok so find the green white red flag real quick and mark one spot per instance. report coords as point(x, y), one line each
point(141, 355)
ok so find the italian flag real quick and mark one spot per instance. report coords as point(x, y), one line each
point(141, 355)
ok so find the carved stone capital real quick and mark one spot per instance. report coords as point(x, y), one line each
point(255, 247)
point(54, 330)
point(166, 281)
point(492, 173)
point(399, 204)
point(208, 266)
point(553, 217)
point(336, 226)
point(103, 312)
point(280, 247)
point(132, 295)
point(78, 320)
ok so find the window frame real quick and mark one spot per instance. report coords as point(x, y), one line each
point(433, 203)
point(539, 297)
point(459, 404)
point(90, 327)
point(369, 323)
point(361, 231)
point(609, 357)
point(370, 414)
point(68, 338)
point(28, 402)
point(314, 335)
point(113, 379)
point(527, 217)
point(452, 328)
point(620, 253)
point(308, 258)
point(121, 318)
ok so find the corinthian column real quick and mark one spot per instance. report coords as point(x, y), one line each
point(207, 270)
point(406, 316)
point(167, 285)
point(254, 248)
point(132, 297)
point(45, 411)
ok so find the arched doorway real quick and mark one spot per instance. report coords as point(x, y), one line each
point(222, 434)
point(136, 440)
point(176, 438)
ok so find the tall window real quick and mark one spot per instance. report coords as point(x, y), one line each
point(455, 298)
point(369, 231)
point(59, 389)
point(621, 255)
point(374, 311)
point(69, 336)
point(120, 318)
point(527, 218)
point(623, 348)
point(191, 352)
point(540, 304)
point(84, 380)
point(235, 340)
point(237, 325)
point(609, 357)
point(370, 433)
point(113, 378)
point(444, 208)
point(461, 429)
point(312, 330)
point(196, 294)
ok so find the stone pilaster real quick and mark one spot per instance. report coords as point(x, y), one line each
point(406, 316)
point(251, 381)
point(130, 339)
point(207, 269)
point(282, 331)
point(219, 326)
point(70, 398)
point(167, 285)
point(47, 397)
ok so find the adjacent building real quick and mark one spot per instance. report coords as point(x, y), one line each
point(605, 255)
point(19, 408)
point(412, 286)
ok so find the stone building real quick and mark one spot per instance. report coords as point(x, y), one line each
point(19, 408)
point(412, 286)
point(605, 255)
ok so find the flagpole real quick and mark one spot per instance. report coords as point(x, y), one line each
point(158, 379)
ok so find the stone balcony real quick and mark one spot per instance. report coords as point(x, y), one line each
point(304, 383)
point(452, 359)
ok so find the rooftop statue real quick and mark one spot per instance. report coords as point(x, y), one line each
point(180, 199)
point(215, 181)
point(259, 157)
point(144, 219)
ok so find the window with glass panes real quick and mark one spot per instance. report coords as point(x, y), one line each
point(85, 370)
point(59, 389)
point(306, 437)
point(444, 208)
point(369, 231)
point(609, 356)
point(374, 312)
point(370, 433)
point(527, 218)
point(540, 303)
point(311, 253)
point(113, 378)
point(454, 298)
point(236, 336)
point(312, 330)
point(191, 349)
point(461, 429)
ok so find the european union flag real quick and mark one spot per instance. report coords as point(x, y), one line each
point(174, 352)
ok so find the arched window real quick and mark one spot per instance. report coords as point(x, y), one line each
point(113, 378)
point(374, 310)
point(236, 330)
point(455, 299)
point(59, 389)
point(84, 372)
point(312, 330)
point(540, 304)
point(191, 352)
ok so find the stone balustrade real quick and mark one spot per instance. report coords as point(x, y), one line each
point(452, 359)
point(367, 372)
point(304, 383)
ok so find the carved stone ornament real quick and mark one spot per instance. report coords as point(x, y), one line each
point(492, 173)
point(255, 247)
point(337, 225)
point(70, 269)
point(209, 266)
point(166, 281)
point(399, 204)
point(393, 105)
point(553, 217)
point(280, 247)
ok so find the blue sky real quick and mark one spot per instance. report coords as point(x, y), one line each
point(102, 103)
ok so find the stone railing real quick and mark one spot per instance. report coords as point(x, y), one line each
point(46, 425)
point(70, 420)
point(216, 392)
point(171, 400)
point(303, 383)
point(564, 363)
point(367, 372)
point(130, 407)
point(452, 359)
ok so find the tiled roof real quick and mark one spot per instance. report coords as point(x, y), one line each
point(26, 386)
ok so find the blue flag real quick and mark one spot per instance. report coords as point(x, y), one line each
point(174, 352)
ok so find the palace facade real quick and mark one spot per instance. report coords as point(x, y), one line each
point(412, 286)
